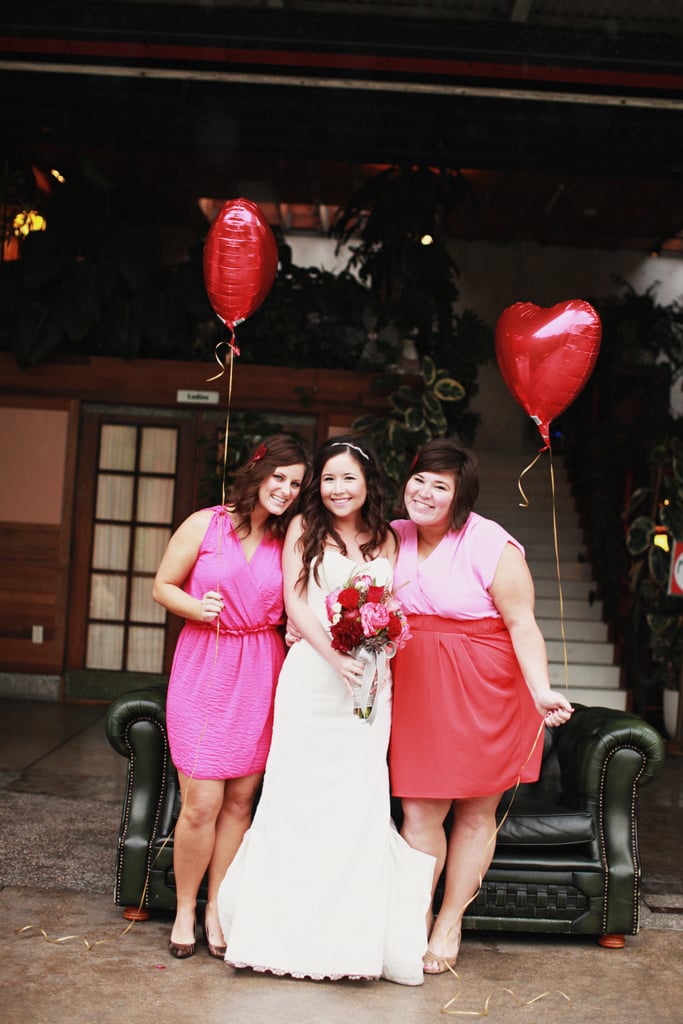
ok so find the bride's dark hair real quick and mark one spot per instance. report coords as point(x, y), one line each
point(318, 522)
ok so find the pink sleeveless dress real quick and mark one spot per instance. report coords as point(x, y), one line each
point(219, 710)
point(464, 723)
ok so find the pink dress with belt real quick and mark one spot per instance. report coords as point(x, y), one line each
point(219, 710)
point(464, 723)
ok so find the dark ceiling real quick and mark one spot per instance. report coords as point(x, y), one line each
point(565, 115)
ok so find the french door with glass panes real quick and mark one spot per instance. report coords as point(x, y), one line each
point(135, 481)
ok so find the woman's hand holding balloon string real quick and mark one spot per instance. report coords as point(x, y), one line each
point(210, 606)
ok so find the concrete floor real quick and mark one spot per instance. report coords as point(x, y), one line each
point(66, 956)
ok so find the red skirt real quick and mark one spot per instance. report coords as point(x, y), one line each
point(464, 723)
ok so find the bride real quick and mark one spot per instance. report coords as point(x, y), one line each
point(322, 885)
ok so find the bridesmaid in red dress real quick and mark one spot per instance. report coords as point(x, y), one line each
point(471, 688)
point(222, 573)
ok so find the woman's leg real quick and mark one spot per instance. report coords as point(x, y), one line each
point(234, 819)
point(193, 845)
point(471, 845)
point(423, 830)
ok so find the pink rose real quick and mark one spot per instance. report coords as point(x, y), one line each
point(374, 618)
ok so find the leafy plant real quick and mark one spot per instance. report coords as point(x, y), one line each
point(416, 414)
point(94, 281)
point(657, 512)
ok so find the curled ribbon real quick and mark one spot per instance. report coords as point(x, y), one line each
point(485, 1011)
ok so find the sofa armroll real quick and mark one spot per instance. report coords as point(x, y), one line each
point(605, 757)
point(136, 729)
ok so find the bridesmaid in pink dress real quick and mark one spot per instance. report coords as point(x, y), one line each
point(471, 688)
point(222, 573)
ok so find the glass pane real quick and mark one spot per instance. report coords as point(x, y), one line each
point(145, 649)
point(117, 446)
point(150, 544)
point(158, 450)
point(114, 497)
point(143, 608)
point(111, 546)
point(105, 647)
point(155, 500)
point(107, 597)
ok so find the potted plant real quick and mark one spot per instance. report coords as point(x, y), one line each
point(654, 520)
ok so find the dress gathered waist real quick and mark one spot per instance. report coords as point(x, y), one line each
point(240, 631)
point(440, 624)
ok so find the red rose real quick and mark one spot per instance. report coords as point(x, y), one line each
point(349, 597)
point(375, 595)
point(394, 628)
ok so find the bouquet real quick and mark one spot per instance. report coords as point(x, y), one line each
point(368, 622)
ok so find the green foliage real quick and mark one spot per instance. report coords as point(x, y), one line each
point(636, 328)
point(650, 565)
point(413, 286)
point(311, 317)
point(94, 283)
point(415, 415)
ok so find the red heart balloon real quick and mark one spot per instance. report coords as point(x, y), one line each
point(547, 355)
point(240, 261)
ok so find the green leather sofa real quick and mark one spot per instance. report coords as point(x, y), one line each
point(566, 856)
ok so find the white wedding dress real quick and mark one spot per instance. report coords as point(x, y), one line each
point(322, 885)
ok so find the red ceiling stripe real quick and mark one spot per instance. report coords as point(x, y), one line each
point(298, 60)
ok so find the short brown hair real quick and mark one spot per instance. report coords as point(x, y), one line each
point(441, 455)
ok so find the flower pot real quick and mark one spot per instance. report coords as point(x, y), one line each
point(670, 700)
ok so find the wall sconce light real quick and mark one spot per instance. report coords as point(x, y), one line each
point(661, 540)
point(27, 221)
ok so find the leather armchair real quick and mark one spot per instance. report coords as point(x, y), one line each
point(566, 856)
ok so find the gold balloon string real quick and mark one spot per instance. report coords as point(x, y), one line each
point(480, 880)
point(559, 575)
point(525, 504)
point(484, 1012)
point(68, 938)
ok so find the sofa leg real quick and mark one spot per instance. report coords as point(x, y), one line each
point(136, 914)
point(612, 941)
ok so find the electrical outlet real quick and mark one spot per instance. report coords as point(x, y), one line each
point(37, 635)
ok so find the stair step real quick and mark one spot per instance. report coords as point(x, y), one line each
point(581, 652)
point(576, 590)
point(596, 698)
point(600, 677)
point(544, 551)
point(546, 568)
point(549, 607)
point(574, 629)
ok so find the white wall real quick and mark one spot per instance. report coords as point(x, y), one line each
point(492, 277)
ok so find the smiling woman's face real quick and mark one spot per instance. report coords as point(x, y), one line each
point(429, 497)
point(342, 486)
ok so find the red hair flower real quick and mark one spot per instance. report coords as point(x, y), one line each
point(259, 453)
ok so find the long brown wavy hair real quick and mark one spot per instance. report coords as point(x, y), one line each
point(266, 456)
point(318, 522)
point(441, 455)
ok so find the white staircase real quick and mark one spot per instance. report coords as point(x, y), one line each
point(591, 675)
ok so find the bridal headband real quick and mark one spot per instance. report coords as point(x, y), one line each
point(347, 444)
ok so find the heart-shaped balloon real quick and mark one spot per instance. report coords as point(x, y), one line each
point(240, 261)
point(547, 355)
